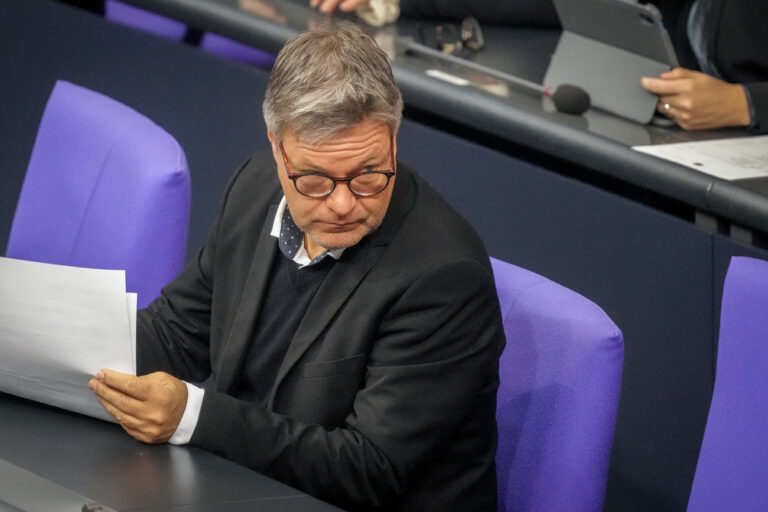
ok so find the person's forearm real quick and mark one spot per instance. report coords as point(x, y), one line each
point(339, 465)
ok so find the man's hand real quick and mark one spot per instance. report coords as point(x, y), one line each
point(264, 9)
point(149, 407)
point(328, 6)
point(697, 101)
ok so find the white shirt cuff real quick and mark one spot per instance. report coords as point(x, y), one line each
point(188, 421)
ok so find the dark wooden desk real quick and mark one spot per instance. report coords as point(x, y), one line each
point(99, 461)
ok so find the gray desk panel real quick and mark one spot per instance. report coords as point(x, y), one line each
point(291, 504)
point(23, 490)
point(98, 460)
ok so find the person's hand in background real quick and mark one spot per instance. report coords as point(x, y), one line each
point(328, 6)
point(263, 9)
point(697, 101)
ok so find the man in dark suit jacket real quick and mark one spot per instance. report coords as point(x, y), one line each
point(346, 320)
point(725, 41)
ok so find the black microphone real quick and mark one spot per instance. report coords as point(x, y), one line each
point(567, 98)
point(570, 99)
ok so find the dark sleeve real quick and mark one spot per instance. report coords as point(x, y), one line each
point(675, 18)
point(173, 332)
point(496, 12)
point(758, 95)
point(436, 349)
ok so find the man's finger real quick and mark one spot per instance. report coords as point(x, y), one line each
point(122, 417)
point(665, 104)
point(328, 6)
point(119, 400)
point(131, 425)
point(676, 74)
point(665, 109)
point(662, 87)
point(127, 383)
point(351, 5)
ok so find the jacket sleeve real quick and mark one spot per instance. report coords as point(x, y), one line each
point(508, 12)
point(436, 352)
point(758, 94)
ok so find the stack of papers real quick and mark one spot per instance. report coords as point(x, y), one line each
point(58, 326)
point(730, 159)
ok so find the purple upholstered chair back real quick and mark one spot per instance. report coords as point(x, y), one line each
point(732, 471)
point(144, 20)
point(105, 188)
point(168, 27)
point(560, 381)
point(226, 47)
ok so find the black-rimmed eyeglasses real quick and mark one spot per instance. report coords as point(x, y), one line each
point(317, 185)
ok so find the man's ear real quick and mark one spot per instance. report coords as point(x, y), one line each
point(273, 142)
point(275, 148)
point(394, 145)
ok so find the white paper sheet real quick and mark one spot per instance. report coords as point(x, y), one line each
point(58, 326)
point(729, 159)
point(132, 301)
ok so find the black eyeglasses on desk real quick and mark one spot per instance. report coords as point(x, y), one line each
point(452, 39)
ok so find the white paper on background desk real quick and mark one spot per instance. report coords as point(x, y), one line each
point(729, 159)
point(58, 326)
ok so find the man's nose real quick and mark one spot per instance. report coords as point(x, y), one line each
point(341, 201)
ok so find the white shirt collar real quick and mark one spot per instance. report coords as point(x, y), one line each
point(301, 257)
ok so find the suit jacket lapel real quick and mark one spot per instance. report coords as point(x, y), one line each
point(336, 288)
point(711, 31)
point(235, 348)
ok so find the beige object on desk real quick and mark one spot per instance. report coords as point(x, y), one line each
point(379, 12)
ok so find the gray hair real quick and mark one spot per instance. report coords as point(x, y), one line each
point(326, 81)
